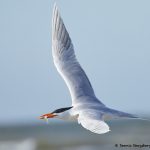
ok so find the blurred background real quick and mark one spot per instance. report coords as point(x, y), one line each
point(111, 40)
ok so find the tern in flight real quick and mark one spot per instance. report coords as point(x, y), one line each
point(86, 108)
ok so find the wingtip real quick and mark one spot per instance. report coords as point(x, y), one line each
point(55, 7)
point(55, 12)
point(54, 15)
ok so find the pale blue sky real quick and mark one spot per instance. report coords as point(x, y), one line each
point(112, 43)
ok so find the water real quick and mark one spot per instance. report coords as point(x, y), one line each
point(71, 136)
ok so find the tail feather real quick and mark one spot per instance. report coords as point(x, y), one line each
point(124, 115)
point(115, 114)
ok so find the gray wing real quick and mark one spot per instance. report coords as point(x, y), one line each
point(66, 62)
point(92, 120)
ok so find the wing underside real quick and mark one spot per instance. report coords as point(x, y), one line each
point(66, 62)
point(93, 122)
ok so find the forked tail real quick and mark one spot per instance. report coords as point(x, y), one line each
point(115, 114)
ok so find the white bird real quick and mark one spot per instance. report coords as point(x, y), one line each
point(86, 108)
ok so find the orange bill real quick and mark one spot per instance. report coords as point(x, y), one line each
point(49, 115)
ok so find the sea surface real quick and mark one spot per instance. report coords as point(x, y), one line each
point(124, 135)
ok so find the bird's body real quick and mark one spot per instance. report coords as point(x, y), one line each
point(86, 108)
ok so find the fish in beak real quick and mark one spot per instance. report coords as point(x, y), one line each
point(46, 116)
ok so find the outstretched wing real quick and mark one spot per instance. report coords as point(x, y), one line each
point(66, 62)
point(93, 122)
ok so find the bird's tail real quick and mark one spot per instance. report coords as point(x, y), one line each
point(115, 114)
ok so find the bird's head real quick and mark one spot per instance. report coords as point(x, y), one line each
point(55, 113)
